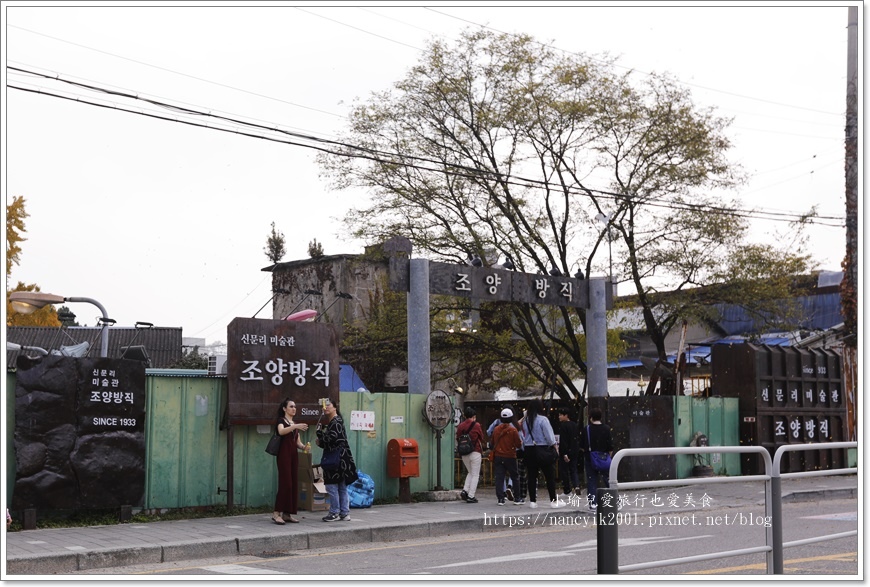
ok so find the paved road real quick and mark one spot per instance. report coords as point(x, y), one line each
point(563, 545)
point(66, 551)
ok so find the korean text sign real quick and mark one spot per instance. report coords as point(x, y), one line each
point(269, 360)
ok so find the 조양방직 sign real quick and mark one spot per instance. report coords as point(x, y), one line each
point(270, 360)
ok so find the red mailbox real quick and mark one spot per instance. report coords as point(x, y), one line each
point(403, 458)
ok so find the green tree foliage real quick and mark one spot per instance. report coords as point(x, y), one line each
point(191, 359)
point(502, 146)
point(275, 248)
point(315, 249)
point(15, 215)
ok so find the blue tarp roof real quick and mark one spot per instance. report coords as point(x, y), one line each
point(699, 354)
point(348, 380)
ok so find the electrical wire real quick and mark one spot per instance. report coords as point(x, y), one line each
point(393, 158)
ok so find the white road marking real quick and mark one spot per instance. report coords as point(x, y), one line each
point(843, 517)
point(240, 570)
point(571, 550)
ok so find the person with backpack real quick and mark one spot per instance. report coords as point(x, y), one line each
point(469, 445)
point(515, 493)
point(505, 442)
point(595, 437)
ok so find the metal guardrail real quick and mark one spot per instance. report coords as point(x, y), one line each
point(608, 533)
point(776, 497)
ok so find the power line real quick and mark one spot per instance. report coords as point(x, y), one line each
point(394, 158)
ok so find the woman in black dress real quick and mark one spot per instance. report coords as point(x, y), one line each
point(288, 463)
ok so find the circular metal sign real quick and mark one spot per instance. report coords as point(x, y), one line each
point(438, 410)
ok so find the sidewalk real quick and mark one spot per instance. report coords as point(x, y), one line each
point(65, 550)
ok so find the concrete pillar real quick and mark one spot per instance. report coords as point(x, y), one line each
point(419, 377)
point(596, 338)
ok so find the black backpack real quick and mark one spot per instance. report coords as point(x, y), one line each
point(464, 446)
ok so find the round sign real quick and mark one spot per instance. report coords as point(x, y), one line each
point(438, 410)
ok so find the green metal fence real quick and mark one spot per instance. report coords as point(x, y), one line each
point(186, 447)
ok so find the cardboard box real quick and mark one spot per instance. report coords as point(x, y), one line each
point(312, 491)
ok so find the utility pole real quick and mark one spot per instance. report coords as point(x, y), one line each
point(849, 285)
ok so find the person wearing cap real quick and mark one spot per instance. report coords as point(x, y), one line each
point(472, 460)
point(513, 492)
point(505, 442)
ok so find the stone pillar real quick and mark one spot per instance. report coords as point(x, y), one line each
point(419, 377)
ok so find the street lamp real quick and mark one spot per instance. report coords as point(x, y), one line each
point(14, 346)
point(605, 220)
point(28, 302)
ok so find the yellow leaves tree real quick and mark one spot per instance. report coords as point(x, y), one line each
point(15, 229)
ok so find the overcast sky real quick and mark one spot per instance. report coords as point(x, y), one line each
point(166, 222)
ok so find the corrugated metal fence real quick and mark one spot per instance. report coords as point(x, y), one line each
point(186, 446)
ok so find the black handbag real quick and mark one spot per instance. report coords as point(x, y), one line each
point(546, 454)
point(274, 445)
point(330, 460)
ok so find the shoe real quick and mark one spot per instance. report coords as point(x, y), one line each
point(331, 518)
point(519, 502)
point(533, 504)
point(344, 518)
point(501, 502)
point(471, 500)
point(463, 495)
point(593, 507)
point(557, 504)
point(278, 521)
point(509, 494)
point(578, 491)
point(289, 518)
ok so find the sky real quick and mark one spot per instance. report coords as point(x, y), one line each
point(166, 223)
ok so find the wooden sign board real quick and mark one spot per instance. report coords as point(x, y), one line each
point(270, 360)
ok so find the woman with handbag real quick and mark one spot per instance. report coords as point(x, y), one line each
point(596, 437)
point(337, 475)
point(288, 463)
point(540, 453)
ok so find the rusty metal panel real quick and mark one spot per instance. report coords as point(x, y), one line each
point(269, 360)
point(643, 422)
point(787, 396)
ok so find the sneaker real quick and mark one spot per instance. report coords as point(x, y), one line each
point(533, 504)
point(501, 502)
point(593, 507)
point(509, 494)
point(344, 518)
point(463, 495)
point(331, 518)
point(557, 504)
point(471, 500)
point(520, 501)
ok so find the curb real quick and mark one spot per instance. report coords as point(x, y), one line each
point(265, 544)
point(819, 495)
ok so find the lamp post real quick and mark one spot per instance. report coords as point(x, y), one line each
point(605, 220)
point(28, 302)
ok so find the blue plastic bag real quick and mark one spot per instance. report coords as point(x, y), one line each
point(361, 492)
